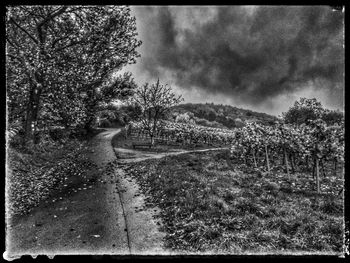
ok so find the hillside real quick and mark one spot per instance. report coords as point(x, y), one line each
point(221, 116)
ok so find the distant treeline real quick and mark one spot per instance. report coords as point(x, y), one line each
point(221, 116)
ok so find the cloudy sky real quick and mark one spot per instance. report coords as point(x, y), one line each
point(260, 58)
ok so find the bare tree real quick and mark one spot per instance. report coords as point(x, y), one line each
point(155, 101)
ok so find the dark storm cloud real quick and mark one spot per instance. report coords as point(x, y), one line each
point(248, 53)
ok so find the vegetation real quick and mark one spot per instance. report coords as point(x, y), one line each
point(306, 110)
point(48, 167)
point(210, 202)
point(59, 61)
point(265, 194)
point(259, 197)
point(155, 101)
point(60, 70)
point(186, 133)
point(220, 116)
point(294, 145)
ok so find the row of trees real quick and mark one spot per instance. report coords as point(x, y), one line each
point(60, 63)
point(185, 133)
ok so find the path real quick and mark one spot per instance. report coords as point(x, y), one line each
point(134, 227)
point(131, 156)
point(126, 200)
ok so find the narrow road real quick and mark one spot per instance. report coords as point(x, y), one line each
point(134, 226)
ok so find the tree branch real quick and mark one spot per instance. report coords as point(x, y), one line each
point(47, 19)
point(73, 43)
point(25, 31)
point(53, 15)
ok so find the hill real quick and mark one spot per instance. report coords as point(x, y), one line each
point(220, 116)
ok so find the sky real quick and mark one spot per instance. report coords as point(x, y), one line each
point(262, 58)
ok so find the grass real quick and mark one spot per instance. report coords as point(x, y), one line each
point(208, 203)
point(35, 175)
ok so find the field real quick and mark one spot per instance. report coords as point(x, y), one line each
point(210, 202)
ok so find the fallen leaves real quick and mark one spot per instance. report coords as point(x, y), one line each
point(29, 184)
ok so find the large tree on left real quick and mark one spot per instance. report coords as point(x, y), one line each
point(59, 58)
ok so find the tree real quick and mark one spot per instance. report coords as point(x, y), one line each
point(332, 117)
point(119, 87)
point(64, 53)
point(211, 115)
point(155, 101)
point(184, 118)
point(239, 123)
point(303, 111)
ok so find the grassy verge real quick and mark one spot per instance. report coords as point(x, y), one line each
point(210, 204)
point(45, 170)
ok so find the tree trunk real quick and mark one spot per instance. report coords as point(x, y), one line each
point(335, 166)
point(267, 159)
point(286, 161)
point(322, 166)
point(317, 175)
point(292, 162)
point(254, 158)
point(31, 113)
point(28, 125)
point(87, 126)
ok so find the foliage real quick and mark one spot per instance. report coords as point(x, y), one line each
point(190, 133)
point(332, 117)
point(184, 118)
point(239, 123)
point(33, 176)
point(129, 112)
point(315, 141)
point(58, 57)
point(155, 101)
point(306, 110)
point(212, 124)
point(225, 115)
point(119, 88)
